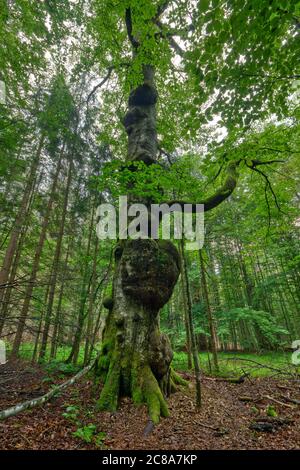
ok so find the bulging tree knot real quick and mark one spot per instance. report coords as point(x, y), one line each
point(143, 95)
point(149, 270)
point(108, 303)
point(160, 354)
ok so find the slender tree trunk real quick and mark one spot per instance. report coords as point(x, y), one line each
point(57, 322)
point(91, 305)
point(39, 328)
point(187, 326)
point(12, 277)
point(195, 351)
point(13, 273)
point(86, 282)
point(15, 233)
point(97, 329)
point(136, 357)
point(211, 321)
point(56, 264)
point(36, 262)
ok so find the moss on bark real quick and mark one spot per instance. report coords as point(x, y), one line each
point(136, 356)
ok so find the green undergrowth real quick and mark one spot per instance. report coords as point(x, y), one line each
point(237, 363)
point(229, 363)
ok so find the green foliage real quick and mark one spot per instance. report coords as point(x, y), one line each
point(89, 434)
point(71, 413)
point(85, 433)
point(270, 411)
point(55, 366)
point(226, 70)
point(158, 182)
point(48, 379)
point(228, 93)
point(259, 319)
point(230, 366)
point(254, 410)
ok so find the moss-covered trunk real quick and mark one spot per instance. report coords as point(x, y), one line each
point(136, 356)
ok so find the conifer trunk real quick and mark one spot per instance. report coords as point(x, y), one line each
point(36, 262)
point(57, 255)
point(15, 233)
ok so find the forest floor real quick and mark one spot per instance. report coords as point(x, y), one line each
point(224, 421)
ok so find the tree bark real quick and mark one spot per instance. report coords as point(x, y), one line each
point(15, 265)
point(187, 326)
point(88, 341)
point(210, 317)
point(36, 262)
point(56, 264)
point(15, 233)
point(136, 356)
point(194, 347)
point(57, 320)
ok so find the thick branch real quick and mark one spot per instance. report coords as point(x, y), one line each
point(221, 194)
point(128, 21)
point(226, 189)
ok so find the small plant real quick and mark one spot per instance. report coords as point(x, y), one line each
point(254, 410)
point(270, 410)
point(47, 379)
point(99, 439)
point(61, 368)
point(71, 413)
point(88, 434)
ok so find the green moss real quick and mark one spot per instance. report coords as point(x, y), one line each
point(136, 385)
point(104, 360)
point(107, 346)
point(156, 403)
point(109, 396)
point(177, 379)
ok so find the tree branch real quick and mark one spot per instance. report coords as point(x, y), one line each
point(175, 32)
point(169, 37)
point(161, 9)
point(99, 85)
point(14, 410)
point(128, 21)
point(221, 194)
point(227, 188)
point(268, 183)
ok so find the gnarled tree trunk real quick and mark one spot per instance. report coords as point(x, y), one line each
point(136, 356)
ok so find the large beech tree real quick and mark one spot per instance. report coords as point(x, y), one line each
point(180, 63)
point(169, 71)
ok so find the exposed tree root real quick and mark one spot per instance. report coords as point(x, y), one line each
point(110, 393)
point(144, 388)
point(140, 383)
